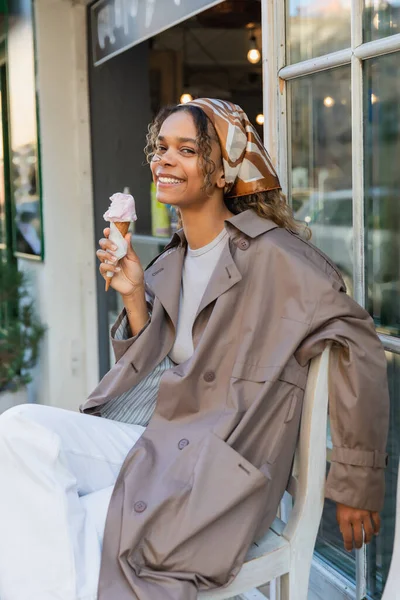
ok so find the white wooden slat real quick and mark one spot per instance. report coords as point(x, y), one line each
point(378, 47)
point(390, 343)
point(253, 595)
point(271, 542)
point(314, 65)
point(255, 573)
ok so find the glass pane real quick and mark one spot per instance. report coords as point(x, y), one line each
point(382, 196)
point(321, 179)
point(317, 27)
point(321, 193)
point(381, 19)
point(381, 548)
point(2, 192)
point(23, 130)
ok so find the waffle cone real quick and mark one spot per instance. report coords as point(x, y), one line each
point(122, 227)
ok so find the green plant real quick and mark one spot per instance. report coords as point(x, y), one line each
point(20, 329)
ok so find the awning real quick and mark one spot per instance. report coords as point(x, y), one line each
point(117, 25)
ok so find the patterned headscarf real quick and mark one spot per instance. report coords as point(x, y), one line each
point(247, 164)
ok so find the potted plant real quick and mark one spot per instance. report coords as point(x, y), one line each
point(20, 335)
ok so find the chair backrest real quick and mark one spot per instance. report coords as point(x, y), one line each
point(309, 470)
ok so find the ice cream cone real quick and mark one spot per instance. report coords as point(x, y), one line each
point(122, 227)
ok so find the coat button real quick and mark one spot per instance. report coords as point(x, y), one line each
point(183, 443)
point(244, 244)
point(140, 506)
point(209, 376)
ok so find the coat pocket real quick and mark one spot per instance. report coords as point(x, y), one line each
point(277, 394)
point(228, 499)
point(291, 373)
point(208, 529)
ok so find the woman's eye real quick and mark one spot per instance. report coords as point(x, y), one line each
point(188, 151)
point(160, 148)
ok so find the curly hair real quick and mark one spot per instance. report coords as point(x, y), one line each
point(270, 204)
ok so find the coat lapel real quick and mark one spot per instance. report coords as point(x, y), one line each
point(164, 278)
point(225, 275)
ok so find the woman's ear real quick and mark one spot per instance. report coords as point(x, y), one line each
point(221, 179)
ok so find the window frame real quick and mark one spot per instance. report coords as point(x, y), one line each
point(276, 75)
point(6, 247)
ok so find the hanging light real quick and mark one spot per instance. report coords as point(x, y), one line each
point(253, 55)
point(260, 119)
point(329, 101)
point(185, 98)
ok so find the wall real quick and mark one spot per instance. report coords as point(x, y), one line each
point(65, 282)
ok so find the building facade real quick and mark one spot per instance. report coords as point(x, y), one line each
point(80, 82)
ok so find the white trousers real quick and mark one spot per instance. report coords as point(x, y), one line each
point(57, 473)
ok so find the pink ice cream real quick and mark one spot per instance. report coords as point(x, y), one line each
point(122, 208)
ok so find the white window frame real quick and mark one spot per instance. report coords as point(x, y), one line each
point(276, 74)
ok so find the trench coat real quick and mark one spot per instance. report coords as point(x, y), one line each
point(206, 477)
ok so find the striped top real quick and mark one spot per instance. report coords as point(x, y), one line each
point(137, 405)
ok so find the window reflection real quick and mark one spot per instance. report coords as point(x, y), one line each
point(23, 131)
point(321, 192)
point(321, 179)
point(317, 27)
point(382, 194)
point(381, 18)
point(2, 195)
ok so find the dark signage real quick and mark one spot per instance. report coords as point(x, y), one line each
point(120, 24)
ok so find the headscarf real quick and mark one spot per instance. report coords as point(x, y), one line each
point(247, 164)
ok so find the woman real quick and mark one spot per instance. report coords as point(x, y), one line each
point(212, 350)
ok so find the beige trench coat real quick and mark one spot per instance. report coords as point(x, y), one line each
point(207, 475)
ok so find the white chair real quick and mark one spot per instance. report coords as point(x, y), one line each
point(286, 550)
point(392, 587)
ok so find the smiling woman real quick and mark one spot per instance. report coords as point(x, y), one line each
point(212, 348)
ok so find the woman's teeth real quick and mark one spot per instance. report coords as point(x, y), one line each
point(169, 180)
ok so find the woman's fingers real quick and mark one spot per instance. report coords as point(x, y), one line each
point(107, 268)
point(347, 533)
point(106, 232)
point(106, 244)
point(103, 255)
point(376, 519)
point(368, 529)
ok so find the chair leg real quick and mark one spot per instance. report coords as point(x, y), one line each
point(294, 585)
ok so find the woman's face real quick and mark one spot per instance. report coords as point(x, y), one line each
point(176, 167)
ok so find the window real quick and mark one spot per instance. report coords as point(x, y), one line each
point(3, 244)
point(335, 114)
point(5, 200)
point(321, 162)
point(382, 190)
point(316, 27)
point(381, 19)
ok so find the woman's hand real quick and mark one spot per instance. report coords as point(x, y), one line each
point(128, 273)
point(357, 525)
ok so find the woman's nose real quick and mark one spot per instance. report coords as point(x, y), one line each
point(168, 158)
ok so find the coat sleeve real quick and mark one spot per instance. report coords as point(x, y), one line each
point(121, 335)
point(358, 397)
